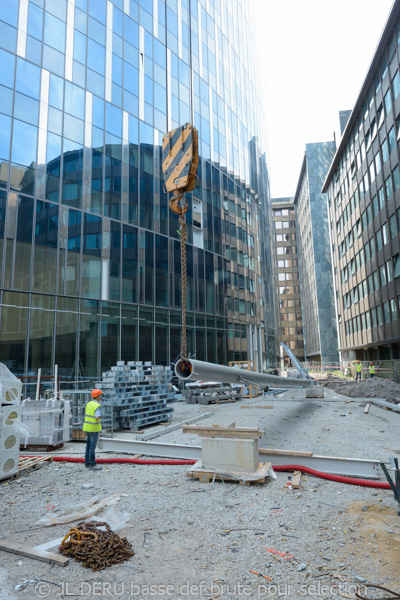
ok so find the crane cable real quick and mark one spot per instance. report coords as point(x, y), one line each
point(183, 231)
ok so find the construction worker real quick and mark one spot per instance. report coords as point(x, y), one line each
point(92, 427)
point(371, 369)
point(358, 370)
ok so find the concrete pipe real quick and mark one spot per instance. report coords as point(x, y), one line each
point(196, 370)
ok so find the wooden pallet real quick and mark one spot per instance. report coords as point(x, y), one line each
point(27, 463)
point(41, 447)
point(209, 476)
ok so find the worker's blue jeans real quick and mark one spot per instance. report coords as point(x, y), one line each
point(91, 443)
point(358, 375)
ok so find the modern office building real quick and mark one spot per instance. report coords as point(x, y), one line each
point(363, 189)
point(89, 251)
point(316, 281)
point(288, 280)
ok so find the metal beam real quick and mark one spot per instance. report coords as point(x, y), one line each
point(164, 430)
point(390, 405)
point(350, 467)
point(150, 448)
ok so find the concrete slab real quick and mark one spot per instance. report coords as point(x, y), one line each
point(230, 454)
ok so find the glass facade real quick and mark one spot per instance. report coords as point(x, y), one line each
point(89, 250)
point(316, 281)
point(363, 189)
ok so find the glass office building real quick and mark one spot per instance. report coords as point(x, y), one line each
point(89, 251)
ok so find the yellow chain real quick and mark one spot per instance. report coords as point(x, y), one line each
point(183, 230)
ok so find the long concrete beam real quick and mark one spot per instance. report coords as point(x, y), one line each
point(197, 370)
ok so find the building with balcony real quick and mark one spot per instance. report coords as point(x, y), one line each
point(89, 250)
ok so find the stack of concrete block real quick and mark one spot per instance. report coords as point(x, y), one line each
point(10, 419)
point(44, 422)
point(135, 395)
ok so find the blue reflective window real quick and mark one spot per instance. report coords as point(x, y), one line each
point(80, 20)
point(113, 119)
point(131, 79)
point(96, 59)
point(74, 100)
point(160, 54)
point(148, 90)
point(160, 98)
point(95, 83)
point(97, 31)
point(26, 109)
point(82, 4)
point(73, 128)
point(172, 22)
point(28, 79)
point(148, 45)
point(35, 21)
point(5, 133)
point(131, 54)
point(53, 60)
point(9, 12)
point(56, 92)
point(6, 98)
point(146, 133)
point(58, 8)
point(118, 21)
point(116, 69)
point(131, 31)
point(24, 143)
point(8, 37)
point(7, 68)
point(98, 112)
point(34, 50)
point(53, 146)
point(133, 130)
point(80, 47)
point(131, 103)
point(97, 9)
point(46, 224)
point(54, 32)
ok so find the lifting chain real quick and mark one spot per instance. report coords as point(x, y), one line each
point(183, 230)
point(96, 546)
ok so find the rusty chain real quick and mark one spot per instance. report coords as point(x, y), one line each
point(96, 548)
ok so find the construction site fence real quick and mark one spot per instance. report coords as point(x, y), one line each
point(384, 369)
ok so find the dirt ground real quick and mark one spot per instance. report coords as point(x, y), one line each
point(195, 540)
point(369, 388)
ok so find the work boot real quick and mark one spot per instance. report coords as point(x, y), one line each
point(95, 467)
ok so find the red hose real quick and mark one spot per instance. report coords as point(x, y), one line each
point(339, 478)
point(165, 461)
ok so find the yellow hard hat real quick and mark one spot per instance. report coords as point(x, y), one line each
point(95, 393)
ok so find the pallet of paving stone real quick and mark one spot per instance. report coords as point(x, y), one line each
point(212, 395)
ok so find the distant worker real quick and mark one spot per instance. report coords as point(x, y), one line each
point(371, 369)
point(92, 427)
point(358, 370)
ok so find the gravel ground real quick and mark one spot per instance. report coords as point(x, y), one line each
point(194, 540)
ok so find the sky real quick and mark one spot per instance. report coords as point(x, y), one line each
point(315, 55)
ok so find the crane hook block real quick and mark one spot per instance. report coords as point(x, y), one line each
point(175, 205)
point(180, 159)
